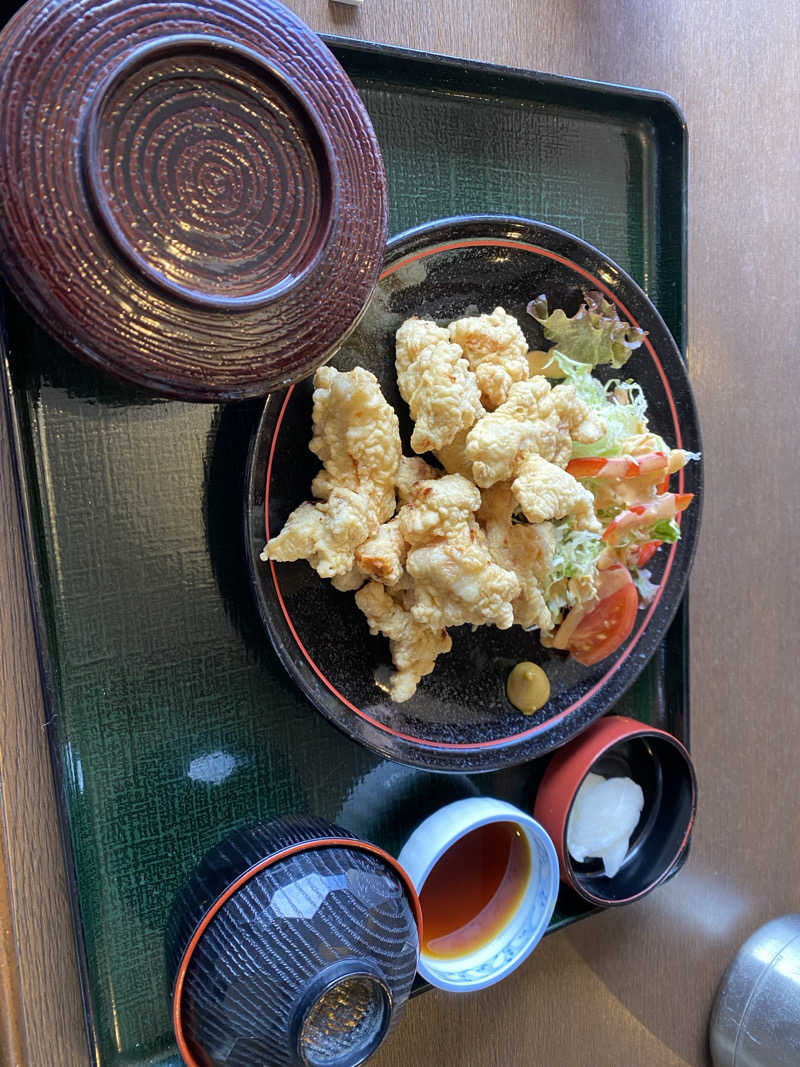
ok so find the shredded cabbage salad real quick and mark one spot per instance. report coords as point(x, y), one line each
point(627, 470)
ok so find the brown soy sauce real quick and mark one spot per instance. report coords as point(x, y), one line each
point(474, 889)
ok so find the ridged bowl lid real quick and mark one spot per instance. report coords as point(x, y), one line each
point(262, 932)
point(198, 201)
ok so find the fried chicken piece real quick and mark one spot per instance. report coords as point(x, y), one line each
point(442, 395)
point(413, 337)
point(534, 418)
point(356, 436)
point(414, 647)
point(497, 352)
point(350, 580)
point(453, 457)
point(326, 533)
point(436, 382)
point(412, 469)
point(456, 581)
point(454, 578)
point(524, 549)
point(544, 491)
point(580, 421)
point(495, 445)
point(435, 508)
point(383, 555)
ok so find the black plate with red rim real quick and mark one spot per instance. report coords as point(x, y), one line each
point(460, 719)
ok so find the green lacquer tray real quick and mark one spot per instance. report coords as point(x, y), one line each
point(170, 718)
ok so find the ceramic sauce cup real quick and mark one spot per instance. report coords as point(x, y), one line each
point(487, 878)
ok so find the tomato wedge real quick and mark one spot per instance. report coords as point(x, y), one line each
point(604, 627)
point(644, 553)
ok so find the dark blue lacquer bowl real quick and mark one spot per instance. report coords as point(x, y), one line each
point(292, 943)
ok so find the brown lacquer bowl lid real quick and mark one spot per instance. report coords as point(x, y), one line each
point(193, 195)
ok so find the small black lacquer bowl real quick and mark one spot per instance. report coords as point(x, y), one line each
point(617, 746)
point(292, 943)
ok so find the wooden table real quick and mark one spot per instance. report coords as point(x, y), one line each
point(632, 988)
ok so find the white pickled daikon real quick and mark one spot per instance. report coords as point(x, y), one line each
point(604, 815)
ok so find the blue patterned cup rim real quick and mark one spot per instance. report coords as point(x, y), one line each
point(527, 924)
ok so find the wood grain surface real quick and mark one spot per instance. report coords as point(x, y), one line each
point(632, 987)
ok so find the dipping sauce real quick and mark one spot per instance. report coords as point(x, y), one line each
point(528, 687)
point(474, 889)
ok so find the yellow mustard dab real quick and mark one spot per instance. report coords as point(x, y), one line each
point(528, 687)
